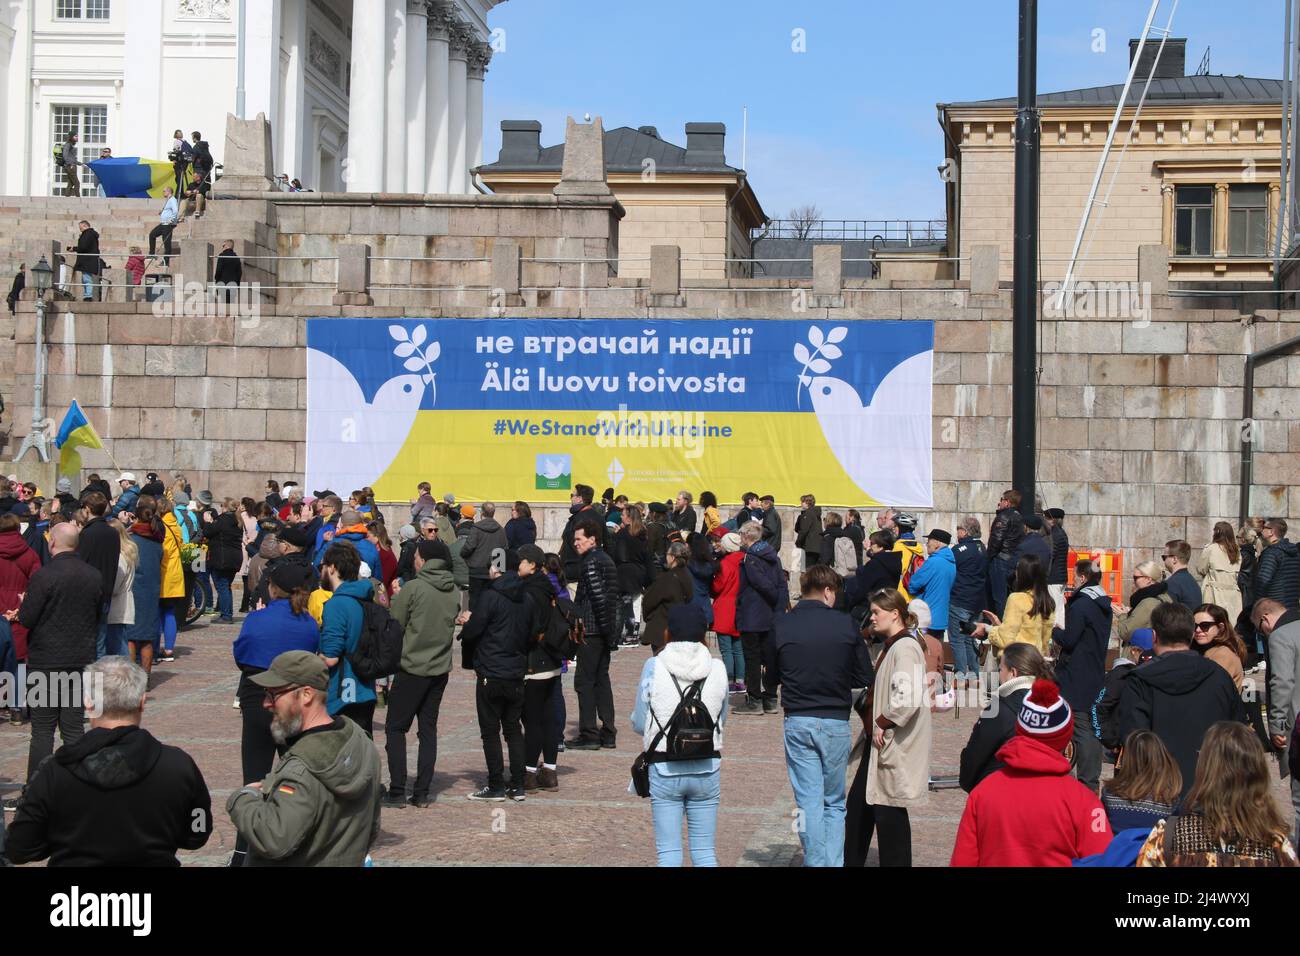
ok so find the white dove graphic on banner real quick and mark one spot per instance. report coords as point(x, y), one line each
point(869, 439)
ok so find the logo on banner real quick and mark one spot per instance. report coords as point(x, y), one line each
point(554, 472)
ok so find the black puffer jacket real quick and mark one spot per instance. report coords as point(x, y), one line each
point(116, 797)
point(598, 594)
point(225, 544)
point(61, 611)
point(1278, 574)
point(1060, 556)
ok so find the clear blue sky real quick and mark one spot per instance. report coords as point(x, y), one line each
point(850, 123)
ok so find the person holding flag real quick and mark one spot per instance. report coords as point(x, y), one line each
point(75, 432)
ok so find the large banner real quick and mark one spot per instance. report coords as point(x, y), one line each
point(505, 409)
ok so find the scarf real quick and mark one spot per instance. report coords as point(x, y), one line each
point(1151, 590)
point(146, 530)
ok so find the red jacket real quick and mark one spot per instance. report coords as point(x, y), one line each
point(1030, 813)
point(18, 563)
point(726, 586)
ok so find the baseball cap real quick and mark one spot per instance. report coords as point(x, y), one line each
point(301, 668)
point(1143, 637)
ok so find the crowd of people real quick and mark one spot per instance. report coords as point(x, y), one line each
point(340, 616)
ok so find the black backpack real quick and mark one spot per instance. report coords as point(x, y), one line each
point(379, 649)
point(689, 732)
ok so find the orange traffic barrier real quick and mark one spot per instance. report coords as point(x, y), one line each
point(1111, 564)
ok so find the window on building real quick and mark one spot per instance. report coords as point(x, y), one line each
point(90, 123)
point(1248, 221)
point(82, 9)
point(1194, 221)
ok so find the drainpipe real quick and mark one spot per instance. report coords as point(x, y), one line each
point(1254, 360)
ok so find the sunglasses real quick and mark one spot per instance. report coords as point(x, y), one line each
point(274, 694)
point(1205, 625)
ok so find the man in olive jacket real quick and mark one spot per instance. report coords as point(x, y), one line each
point(320, 805)
point(426, 609)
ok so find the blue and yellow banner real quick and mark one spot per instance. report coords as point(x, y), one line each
point(130, 177)
point(499, 409)
point(75, 432)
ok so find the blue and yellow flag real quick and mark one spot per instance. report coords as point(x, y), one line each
point(75, 432)
point(130, 177)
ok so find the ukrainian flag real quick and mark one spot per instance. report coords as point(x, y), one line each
point(75, 432)
point(130, 177)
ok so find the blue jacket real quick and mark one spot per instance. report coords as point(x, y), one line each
point(1122, 851)
point(145, 588)
point(321, 544)
point(341, 623)
point(126, 501)
point(369, 553)
point(764, 591)
point(932, 583)
point(272, 631)
point(970, 589)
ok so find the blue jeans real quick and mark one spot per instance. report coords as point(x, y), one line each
point(696, 796)
point(817, 758)
point(1000, 571)
point(965, 656)
point(225, 602)
point(88, 285)
point(733, 656)
point(8, 653)
point(101, 639)
point(204, 580)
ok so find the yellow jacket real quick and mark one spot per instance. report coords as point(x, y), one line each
point(1020, 626)
point(173, 577)
point(907, 549)
point(316, 605)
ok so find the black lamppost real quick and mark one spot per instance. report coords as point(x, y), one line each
point(1024, 312)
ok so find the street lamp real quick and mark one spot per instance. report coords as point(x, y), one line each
point(43, 278)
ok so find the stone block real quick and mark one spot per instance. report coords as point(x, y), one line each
point(423, 221)
point(248, 157)
point(506, 268)
point(1121, 370)
point(984, 270)
point(1217, 338)
point(828, 269)
point(272, 330)
point(1151, 402)
point(1168, 467)
point(209, 456)
point(195, 262)
point(286, 425)
point(184, 423)
point(79, 328)
point(203, 330)
point(1081, 338)
point(1153, 269)
point(176, 360)
point(268, 393)
point(205, 392)
point(665, 270)
point(353, 269)
point(1064, 433)
point(144, 391)
point(961, 336)
point(1187, 370)
point(238, 362)
point(1156, 338)
point(139, 330)
point(236, 424)
point(583, 171)
point(266, 456)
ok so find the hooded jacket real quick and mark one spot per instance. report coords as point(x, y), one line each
point(1179, 695)
point(126, 501)
point(115, 797)
point(497, 637)
point(341, 623)
point(1277, 575)
point(537, 598)
point(18, 563)
point(1084, 639)
point(486, 538)
point(996, 726)
point(1030, 813)
point(356, 536)
point(318, 807)
point(726, 589)
point(225, 544)
point(658, 697)
point(764, 591)
point(426, 608)
point(933, 583)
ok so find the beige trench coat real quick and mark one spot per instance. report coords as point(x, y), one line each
point(1218, 577)
point(900, 770)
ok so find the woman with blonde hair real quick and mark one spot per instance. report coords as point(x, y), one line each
point(121, 608)
point(1148, 594)
point(1229, 817)
point(1217, 569)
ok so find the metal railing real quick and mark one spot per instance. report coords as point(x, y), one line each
point(863, 230)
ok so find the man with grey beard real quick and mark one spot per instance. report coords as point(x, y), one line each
point(320, 804)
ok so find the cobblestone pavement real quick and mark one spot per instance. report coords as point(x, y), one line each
point(591, 821)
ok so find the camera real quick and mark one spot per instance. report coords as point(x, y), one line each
point(968, 627)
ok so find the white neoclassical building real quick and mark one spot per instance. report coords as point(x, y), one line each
point(363, 95)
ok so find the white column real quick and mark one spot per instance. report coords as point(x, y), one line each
point(9, 40)
point(478, 61)
point(395, 128)
point(141, 133)
point(294, 118)
point(417, 107)
point(437, 130)
point(262, 87)
point(365, 163)
point(457, 82)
